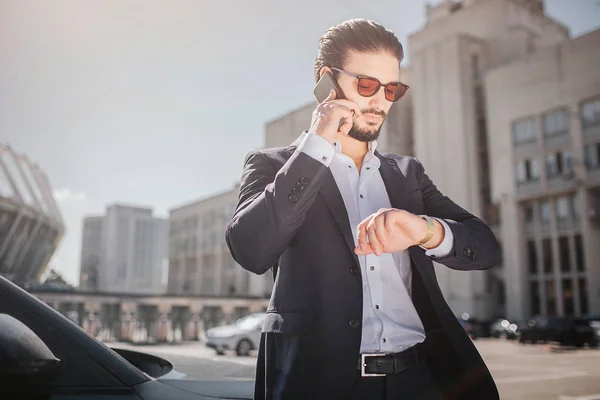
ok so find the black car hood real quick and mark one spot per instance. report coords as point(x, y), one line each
point(225, 389)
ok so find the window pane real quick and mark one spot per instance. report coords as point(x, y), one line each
point(563, 251)
point(562, 208)
point(555, 122)
point(590, 113)
point(521, 173)
point(579, 255)
point(551, 167)
point(545, 212)
point(535, 169)
point(567, 293)
point(535, 298)
point(528, 212)
point(566, 162)
point(524, 131)
point(583, 296)
point(547, 255)
point(592, 155)
point(532, 257)
point(550, 297)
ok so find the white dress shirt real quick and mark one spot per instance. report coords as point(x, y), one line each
point(390, 322)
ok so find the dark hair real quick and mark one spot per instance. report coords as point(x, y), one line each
point(358, 35)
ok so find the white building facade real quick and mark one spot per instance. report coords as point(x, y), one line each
point(124, 251)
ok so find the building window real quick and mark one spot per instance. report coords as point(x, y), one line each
point(532, 257)
point(592, 155)
point(555, 123)
point(524, 131)
point(567, 295)
point(545, 212)
point(558, 164)
point(528, 171)
point(534, 295)
point(590, 113)
point(564, 254)
point(528, 213)
point(562, 209)
point(583, 296)
point(574, 206)
point(579, 254)
point(550, 298)
point(547, 255)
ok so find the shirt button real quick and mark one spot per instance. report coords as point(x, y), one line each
point(361, 196)
point(354, 323)
point(376, 307)
point(383, 340)
point(372, 268)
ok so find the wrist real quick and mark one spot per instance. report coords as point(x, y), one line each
point(437, 238)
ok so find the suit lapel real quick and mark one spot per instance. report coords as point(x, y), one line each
point(332, 197)
point(395, 182)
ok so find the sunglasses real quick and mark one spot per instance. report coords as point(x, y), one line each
point(368, 86)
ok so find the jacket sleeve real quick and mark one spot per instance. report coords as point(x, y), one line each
point(272, 205)
point(475, 246)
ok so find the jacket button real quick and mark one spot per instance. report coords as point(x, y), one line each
point(303, 180)
point(355, 271)
point(293, 198)
point(354, 323)
point(468, 252)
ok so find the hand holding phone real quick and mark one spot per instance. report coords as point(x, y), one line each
point(334, 114)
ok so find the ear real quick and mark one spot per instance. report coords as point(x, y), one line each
point(323, 70)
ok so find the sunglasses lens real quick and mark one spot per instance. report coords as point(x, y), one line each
point(394, 91)
point(367, 86)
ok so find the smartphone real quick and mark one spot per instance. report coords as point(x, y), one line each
point(324, 86)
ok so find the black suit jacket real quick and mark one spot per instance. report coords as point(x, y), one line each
point(291, 216)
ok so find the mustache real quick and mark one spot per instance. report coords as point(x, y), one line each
point(373, 111)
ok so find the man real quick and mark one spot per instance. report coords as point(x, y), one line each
point(356, 311)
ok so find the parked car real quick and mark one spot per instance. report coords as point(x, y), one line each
point(564, 330)
point(503, 329)
point(243, 336)
point(474, 328)
point(45, 355)
point(594, 321)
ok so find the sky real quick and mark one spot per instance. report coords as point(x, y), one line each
point(157, 103)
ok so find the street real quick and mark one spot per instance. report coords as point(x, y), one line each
point(522, 372)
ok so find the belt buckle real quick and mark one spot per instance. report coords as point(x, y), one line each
point(363, 364)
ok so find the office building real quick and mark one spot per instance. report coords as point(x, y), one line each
point(199, 260)
point(124, 251)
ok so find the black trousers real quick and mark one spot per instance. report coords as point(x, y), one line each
point(416, 383)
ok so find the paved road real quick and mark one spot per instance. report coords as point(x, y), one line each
point(522, 372)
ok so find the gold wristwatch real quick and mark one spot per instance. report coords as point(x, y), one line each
point(431, 230)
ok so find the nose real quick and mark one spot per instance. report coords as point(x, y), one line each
point(378, 100)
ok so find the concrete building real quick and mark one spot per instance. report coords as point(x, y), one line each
point(31, 225)
point(199, 261)
point(125, 250)
point(91, 253)
point(481, 70)
point(544, 122)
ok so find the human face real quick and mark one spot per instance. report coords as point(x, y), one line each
point(381, 65)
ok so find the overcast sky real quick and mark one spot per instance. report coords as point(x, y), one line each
point(157, 103)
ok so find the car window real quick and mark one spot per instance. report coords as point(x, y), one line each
point(78, 370)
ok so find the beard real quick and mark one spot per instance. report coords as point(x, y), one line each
point(371, 131)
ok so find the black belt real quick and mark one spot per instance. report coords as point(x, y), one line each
point(386, 364)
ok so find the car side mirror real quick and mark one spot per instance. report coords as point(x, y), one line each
point(24, 357)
